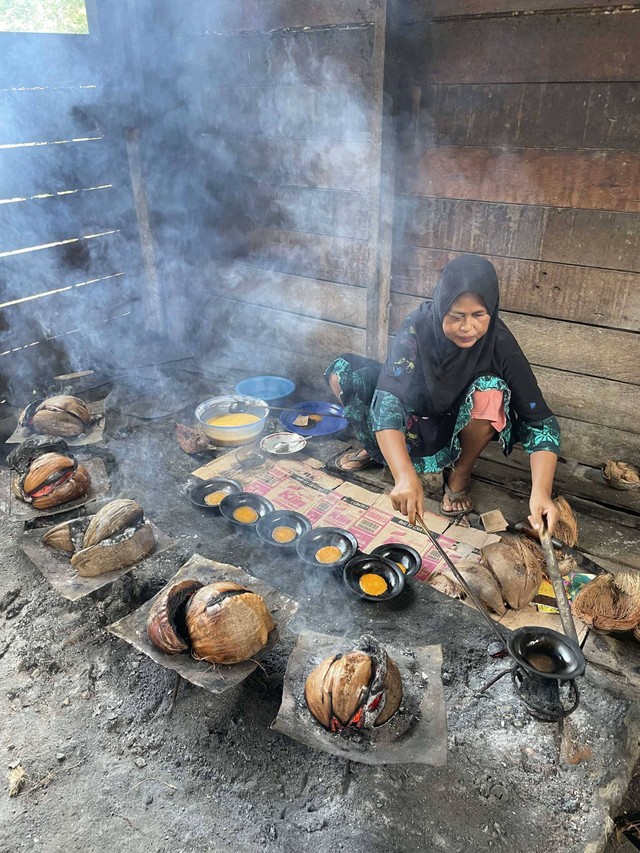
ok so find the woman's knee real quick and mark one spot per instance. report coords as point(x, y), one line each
point(334, 384)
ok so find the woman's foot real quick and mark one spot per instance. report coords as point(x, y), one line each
point(457, 498)
point(353, 460)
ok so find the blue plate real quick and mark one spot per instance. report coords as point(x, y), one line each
point(326, 426)
point(267, 388)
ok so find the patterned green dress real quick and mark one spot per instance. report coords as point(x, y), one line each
point(370, 410)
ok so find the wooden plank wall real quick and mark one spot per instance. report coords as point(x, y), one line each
point(280, 102)
point(519, 140)
point(68, 239)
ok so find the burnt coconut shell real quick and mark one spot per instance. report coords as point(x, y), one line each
point(167, 612)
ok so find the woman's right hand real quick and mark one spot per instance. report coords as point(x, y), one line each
point(407, 496)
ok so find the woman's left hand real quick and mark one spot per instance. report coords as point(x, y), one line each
point(542, 506)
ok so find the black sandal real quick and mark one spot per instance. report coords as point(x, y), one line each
point(456, 496)
point(352, 455)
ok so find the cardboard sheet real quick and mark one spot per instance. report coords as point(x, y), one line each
point(56, 565)
point(93, 435)
point(214, 678)
point(417, 733)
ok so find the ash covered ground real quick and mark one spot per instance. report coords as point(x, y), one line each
point(108, 768)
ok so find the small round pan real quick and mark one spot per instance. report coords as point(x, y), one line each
point(404, 555)
point(372, 564)
point(310, 543)
point(218, 484)
point(231, 503)
point(282, 518)
point(546, 653)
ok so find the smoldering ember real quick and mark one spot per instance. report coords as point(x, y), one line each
point(319, 394)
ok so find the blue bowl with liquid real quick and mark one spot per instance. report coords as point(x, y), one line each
point(272, 389)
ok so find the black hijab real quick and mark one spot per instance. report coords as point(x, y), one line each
point(428, 371)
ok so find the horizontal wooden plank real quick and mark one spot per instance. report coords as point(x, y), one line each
point(559, 178)
point(310, 255)
point(319, 211)
point(423, 10)
point(587, 350)
point(598, 238)
point(30, 60)
point(51, 168)
point(531, 115)
point(42, 221)
point(612, 405)
point(572, 478)
point(203, 16)
point(307, 297)
point(61, 266)
point(524, 49)
point(579, 294)
point(76, 309)
point(296, 57)
point(44, 115)
point(250, 328)
point(330, 165)
point(332, 111)
point(590, 443)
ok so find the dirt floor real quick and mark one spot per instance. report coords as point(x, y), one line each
point(110, 768)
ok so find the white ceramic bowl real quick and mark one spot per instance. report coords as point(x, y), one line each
point(231, 436)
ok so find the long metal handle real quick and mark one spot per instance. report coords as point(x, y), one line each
point(558, 586)
point(480, 606)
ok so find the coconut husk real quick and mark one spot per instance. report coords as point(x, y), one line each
point(446, 585)
point(636, 633)
point(483, 584)
point(516, 568)
point(621, 475)
point(567, 527)
point(609, 603)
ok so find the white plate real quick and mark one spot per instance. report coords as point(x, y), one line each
point(283, 443)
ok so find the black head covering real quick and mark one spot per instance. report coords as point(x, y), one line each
point(432, 372)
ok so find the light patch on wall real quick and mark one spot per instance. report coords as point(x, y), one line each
point(43, 16)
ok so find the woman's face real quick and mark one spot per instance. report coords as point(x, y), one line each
point(466, 321)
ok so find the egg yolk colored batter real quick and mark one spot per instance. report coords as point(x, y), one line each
point(373, 584)
point(401, 567)
point(328, 554)
point(245, 514)
point(231, 420)
point(283, 534)
point(214, 498)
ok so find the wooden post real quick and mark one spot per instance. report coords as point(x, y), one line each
point(154, 319)
point(385, 59)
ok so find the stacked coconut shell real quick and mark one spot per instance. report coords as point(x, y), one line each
point(511, 570)
point(611, 603)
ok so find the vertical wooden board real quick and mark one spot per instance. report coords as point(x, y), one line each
point(584, 295)
point(258, 15)
point(559, 178)
point(525, 49)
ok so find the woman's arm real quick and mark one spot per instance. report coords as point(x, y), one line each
point(543, 469)
point(407, 494)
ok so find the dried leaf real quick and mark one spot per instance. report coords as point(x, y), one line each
point(16, 780)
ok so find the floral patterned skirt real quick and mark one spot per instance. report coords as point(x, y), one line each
point(433, 443)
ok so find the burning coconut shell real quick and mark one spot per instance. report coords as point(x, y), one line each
point(610, 602)
point(361, 689)
point(116, 537)
point(62, 415)
point(45, 474)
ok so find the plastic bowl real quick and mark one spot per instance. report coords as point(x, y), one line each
point(405, 555)
point(373, 564)
point(217, 484)
point(231, 503)
point(232, 436)
point(282, 518)
point(309, 544)
point(271, 388)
